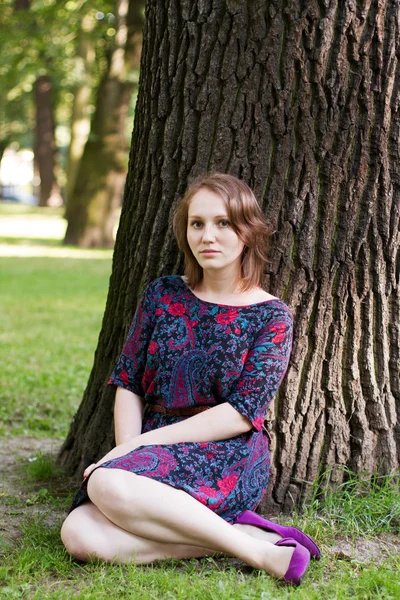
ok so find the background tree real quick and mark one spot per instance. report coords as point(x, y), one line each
point(44, 145)
point(302, 101)
point(93, 202)
point(42, 44)
point(80, 118)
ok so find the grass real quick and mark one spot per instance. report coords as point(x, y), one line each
point(42, 467)
point(362, 506)
point(51, 305)
point(38, 568)
point(50, 316)
point(51, 308)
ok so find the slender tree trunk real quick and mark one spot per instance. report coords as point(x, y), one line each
point(80, 121)
point(22, 4)
point(45, 144)
point(301, 100)
point(92, 206)
point(3, 147)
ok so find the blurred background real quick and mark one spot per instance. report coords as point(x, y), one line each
point(69, 75)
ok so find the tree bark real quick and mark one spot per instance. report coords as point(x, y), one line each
point(301, 100)
point(45, 143)
point(96, 196)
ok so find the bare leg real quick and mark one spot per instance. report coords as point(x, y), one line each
point(155, 511)
point(88, 534)
point(258, 533)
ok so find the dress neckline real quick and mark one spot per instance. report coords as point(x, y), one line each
point(226, 305)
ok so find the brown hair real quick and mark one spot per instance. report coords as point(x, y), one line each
point(247, 220)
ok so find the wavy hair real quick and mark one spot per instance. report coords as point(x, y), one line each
point(247, 221)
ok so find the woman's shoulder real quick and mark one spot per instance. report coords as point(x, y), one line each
point(276, 310)
point(165, 284)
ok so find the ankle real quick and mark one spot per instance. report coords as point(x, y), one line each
point(258, 533)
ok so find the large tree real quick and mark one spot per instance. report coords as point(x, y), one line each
point(301, 100)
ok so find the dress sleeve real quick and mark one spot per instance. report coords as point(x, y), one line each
point(131, 366)
point(264, 368)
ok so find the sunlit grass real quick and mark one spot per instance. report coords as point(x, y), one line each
point(35, 231)
point(18, 208)
point(50, 317)
point(38, 567)
point(24, 249)
point(29, 222)
point(52, 301)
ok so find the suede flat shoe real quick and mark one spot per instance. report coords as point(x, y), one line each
point(298, 563)
point(248, 517)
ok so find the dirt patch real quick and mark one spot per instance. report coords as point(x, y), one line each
point(366, 550)
point(19, 497)
point(17, 503)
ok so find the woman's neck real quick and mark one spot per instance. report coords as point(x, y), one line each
point(219, 286)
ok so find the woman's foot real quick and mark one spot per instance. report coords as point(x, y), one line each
point(258, 533)
point(248, 517)
point(298, 563)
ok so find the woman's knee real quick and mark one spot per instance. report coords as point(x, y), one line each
point(111, 490)
point(79, 536)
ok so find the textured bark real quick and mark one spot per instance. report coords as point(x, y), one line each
point(92, 205)
point(301, 100)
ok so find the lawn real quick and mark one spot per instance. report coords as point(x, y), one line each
point(51, 304)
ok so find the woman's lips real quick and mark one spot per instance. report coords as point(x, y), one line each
point(209, 252)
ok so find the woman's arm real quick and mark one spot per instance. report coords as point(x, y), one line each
point(128, 415)
point(217, 423)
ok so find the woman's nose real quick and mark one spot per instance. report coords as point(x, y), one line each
point(208, 233)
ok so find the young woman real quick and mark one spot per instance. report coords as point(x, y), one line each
point(204, 358)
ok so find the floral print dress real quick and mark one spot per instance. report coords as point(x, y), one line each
point(182, 352)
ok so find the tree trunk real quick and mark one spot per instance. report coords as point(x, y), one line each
point(3, 147)
point(80, 120)
point(22, 4)
point(301, 100)
point(93, 203)
point(45, 145)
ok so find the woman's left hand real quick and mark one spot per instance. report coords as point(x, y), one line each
point(89, 469)
point(114, 453)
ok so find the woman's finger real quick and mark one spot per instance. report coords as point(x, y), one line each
point(88, 470)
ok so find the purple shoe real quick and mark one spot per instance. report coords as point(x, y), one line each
point(298, 563)
point(248, 517)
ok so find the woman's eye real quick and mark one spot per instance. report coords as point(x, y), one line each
point(199, 224)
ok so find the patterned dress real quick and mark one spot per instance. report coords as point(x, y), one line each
point(185, 352)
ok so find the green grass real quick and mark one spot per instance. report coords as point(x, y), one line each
point(51, 308)
point(362, 506)
point(38, 568)
point(42, 467)
point(50, 317)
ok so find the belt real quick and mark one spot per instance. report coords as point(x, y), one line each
point(184, 411)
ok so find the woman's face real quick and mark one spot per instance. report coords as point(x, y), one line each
point(210, 235)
